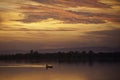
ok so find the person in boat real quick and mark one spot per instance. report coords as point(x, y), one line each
point(49, 66)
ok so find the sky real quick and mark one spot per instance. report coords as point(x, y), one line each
point(55, 24)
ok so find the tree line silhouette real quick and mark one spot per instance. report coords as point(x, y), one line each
point(71, 56)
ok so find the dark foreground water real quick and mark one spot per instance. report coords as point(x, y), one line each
point(64, 71)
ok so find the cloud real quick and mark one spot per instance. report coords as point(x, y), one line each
point(108, 37)
point(26, 29)
point(100, 17)
point(56, 9)
point(53, 9)
point(111, 33)
point(73, 3)
point(40, 13)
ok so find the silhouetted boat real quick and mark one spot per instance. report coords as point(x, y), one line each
point(49, 66)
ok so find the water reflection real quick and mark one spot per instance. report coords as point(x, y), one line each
point(62, 71)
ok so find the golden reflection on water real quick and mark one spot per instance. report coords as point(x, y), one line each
point(59, 72)
point(20, 66)
point(34, 76)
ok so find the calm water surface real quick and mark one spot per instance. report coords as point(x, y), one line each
point(38, 71)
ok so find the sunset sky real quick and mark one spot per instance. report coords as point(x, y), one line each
point(54, 24)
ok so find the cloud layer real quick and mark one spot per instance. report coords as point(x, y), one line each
point(60, 23)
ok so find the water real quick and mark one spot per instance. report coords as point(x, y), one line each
point(64, 71)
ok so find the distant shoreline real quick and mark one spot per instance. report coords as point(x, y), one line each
point(71, 56)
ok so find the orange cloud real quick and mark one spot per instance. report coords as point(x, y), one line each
point(73, 3)
point(40, 13)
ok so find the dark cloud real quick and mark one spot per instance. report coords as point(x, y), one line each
point(111, 33)
point(108, 37)
point(65, 19)
point(72, 3)
point(32, 18)
point(36, 13)
point(118, 0)
point(100, 17)
point(41, 13)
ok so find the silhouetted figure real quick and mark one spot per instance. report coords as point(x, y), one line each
point(48, 66)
